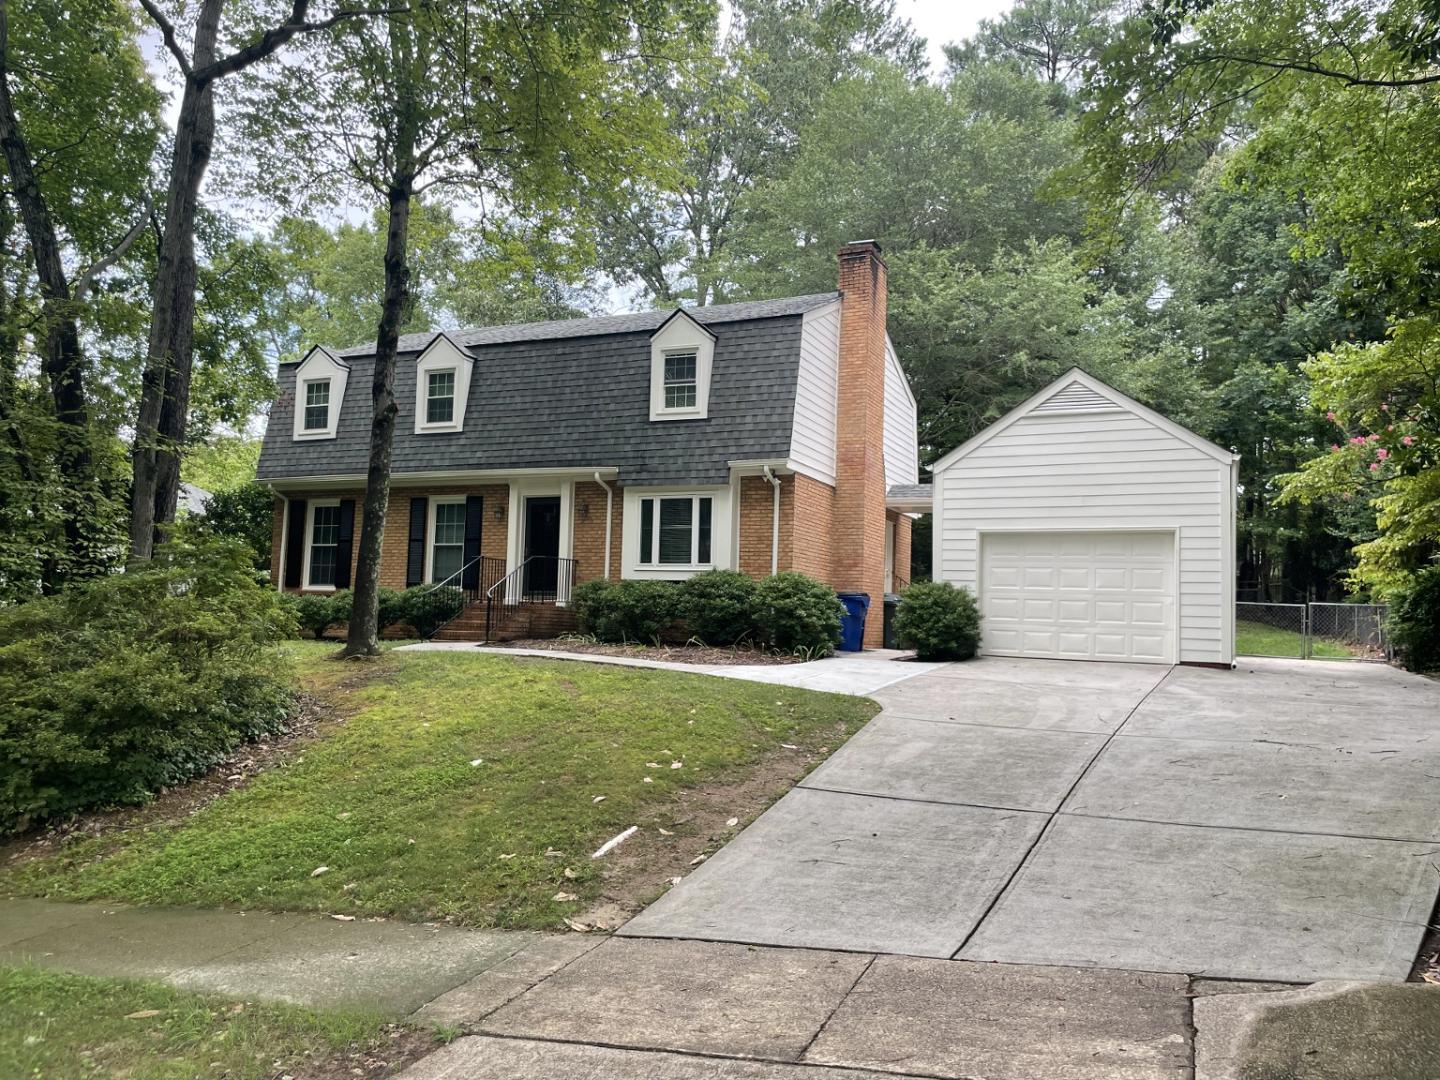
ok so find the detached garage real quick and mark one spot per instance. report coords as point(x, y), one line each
point(1090, 527)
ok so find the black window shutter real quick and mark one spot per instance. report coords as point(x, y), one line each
point(474, 520)
point(415, 554)
point(345, 543)
point(295, 545)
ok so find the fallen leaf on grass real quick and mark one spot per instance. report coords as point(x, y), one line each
point(570, 874)
point(319, 870)
point(788, 746)
point(652, 765)
point(564, 897)
point(647, 780)
point(697, 860)
point(507, 858)
point(579, 927)
point(343, 918)
point(143, 1014)
point(598, 798)
point(554, 853)
point(666, 832)
point(477, 761)
point(732, 822)
point(677, 764)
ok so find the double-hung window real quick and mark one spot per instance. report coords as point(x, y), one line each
point(675, 530)
point(317, 405)
point(440, 397)
point(447, 548)
point(680, 379)
point(324, 545)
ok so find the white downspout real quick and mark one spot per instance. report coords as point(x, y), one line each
point(609, 517)
point(774, 521)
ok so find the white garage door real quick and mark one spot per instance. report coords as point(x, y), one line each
point(1079, 595)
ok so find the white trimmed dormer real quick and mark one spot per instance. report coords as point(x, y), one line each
point(319, 392)
point(442, 386)
point(681, 355)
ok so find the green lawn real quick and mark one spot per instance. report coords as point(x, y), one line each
point(1258, 639)
point(57, 1025)
point(460, 786)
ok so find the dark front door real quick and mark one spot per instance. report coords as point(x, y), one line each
point(542, 545)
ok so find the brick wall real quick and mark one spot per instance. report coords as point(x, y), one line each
point(757, 503)
point(814, 539)
point(859, 529)
point(394, 547)
point(588, 531)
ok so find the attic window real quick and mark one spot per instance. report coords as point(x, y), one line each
point(440, 398)
point(317, 405)
point(681, 355)
point(680, 380)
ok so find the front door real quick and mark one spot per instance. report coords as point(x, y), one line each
point(542, 544)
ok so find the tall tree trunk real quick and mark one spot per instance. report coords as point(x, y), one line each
point(62, 360)
point(165, 385)
point(363, 635)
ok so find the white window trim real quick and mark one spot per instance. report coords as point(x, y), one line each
point(681, 334)
point(454, 387)
point(442, 354)
point(320, 365)
point(721, 533)
point(310, 506)
point(694, 563)
point(435, 503)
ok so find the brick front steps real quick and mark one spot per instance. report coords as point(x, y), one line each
point(521, 621)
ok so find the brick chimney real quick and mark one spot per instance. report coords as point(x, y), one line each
point(859, 542)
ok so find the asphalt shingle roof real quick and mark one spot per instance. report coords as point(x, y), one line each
point(573, 394)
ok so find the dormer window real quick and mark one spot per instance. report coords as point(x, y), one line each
point(320, 381)
point(317, 404)
point(440, 397)
point(442, 384)
point(681, 355)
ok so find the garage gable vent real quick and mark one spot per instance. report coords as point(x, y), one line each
point(1075, 397)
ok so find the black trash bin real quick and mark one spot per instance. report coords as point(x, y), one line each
point(892, 603)
point(852, 626)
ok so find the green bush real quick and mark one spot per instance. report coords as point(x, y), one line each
point(630, 611)
point(317, 612)
point(427, 608)
point(392, 607)
point(1414, 622)
point(718, 606)
point(938, 621)
point(128, 683)
point(797, 614)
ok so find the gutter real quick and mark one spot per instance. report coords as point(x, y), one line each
point(774, 521)
point(609, 518)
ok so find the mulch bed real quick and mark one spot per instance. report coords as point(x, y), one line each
point(680, 654)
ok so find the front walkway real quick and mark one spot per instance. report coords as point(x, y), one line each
point(857, 674)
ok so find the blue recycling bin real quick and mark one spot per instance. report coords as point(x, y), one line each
point(852, 626)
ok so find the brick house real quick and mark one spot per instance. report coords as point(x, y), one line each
point(764, 436)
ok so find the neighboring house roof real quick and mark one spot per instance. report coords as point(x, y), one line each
point(192, 499)
point(573, 394)
point(910, 498)
point(1079, 391)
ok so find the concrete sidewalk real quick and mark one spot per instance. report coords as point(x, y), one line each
point(390, 967)
point(857, 674)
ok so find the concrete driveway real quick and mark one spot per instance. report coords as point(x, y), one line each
point(1279, 822)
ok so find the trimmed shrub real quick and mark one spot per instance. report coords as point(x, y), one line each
point(392, 607)
point(317, 612)
point(1414, 622)
point(427, 608)
point(128, 683)
point(797, 614)
point(938, 621)
point(718, 606)
point(594, 605)
point(627, 612)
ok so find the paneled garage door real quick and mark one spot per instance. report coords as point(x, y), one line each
point(1079, 595)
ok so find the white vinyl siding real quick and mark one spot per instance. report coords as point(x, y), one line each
point(902, 452)
point(1097, 470)
point(812, 439)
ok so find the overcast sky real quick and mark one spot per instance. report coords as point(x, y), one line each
point(944, 21)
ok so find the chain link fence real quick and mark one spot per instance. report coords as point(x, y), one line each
point(1317, 631)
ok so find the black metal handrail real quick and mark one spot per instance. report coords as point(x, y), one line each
point(464, 587)
point(539, 579)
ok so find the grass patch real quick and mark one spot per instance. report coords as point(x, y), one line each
point(461, 786)
point(1259, 639)
point(58, 1025)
